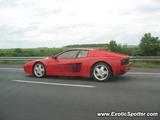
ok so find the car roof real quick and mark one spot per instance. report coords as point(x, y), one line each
point(81, 49)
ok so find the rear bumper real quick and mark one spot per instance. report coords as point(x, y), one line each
point(125, 68)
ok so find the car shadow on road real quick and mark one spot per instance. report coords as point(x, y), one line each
point(122, 78)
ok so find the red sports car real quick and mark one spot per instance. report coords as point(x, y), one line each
point(97, 64)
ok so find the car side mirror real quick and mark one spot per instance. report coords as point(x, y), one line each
point(54, 57)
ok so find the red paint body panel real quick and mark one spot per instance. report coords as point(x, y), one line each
point(82, 66)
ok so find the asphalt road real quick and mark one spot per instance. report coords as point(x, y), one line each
point(24, 97)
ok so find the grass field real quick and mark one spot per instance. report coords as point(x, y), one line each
point(30, 52)
point(8, 62)
point(146, 64)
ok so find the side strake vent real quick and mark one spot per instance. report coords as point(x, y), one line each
point(76, 67)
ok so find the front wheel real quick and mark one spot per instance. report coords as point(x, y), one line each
point(101, 72)
point(39, 70)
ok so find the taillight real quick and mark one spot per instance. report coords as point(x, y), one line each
point(125, 61)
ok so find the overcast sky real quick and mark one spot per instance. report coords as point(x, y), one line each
point(55, 23)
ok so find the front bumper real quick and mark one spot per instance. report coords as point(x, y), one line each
point(28, 68)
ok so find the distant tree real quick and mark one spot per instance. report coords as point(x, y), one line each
point(149, 46)
point(17, 52)
point(125, 49)
point(2, 54)
point(114, 47)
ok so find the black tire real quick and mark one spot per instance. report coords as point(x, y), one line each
point(104, 75)
point(39, 70)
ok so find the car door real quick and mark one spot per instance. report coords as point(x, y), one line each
point(64, 62)
point(72, 66)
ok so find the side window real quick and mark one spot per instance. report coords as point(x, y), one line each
point(68, 54)
point(82, 54)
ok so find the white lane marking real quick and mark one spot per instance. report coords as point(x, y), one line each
point(60, 84)
point(11, 68)
point(143, 73)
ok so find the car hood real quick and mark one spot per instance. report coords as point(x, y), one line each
point(38, 60)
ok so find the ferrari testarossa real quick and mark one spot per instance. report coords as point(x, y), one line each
point(97, 64)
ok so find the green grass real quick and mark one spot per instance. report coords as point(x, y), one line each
point(30, 52)
point(8, 62)
point(146, 64)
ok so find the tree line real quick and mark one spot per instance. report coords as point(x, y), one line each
point(148, 46)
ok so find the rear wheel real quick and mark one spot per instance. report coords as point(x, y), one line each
point(101, 72)
point(39, 70)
